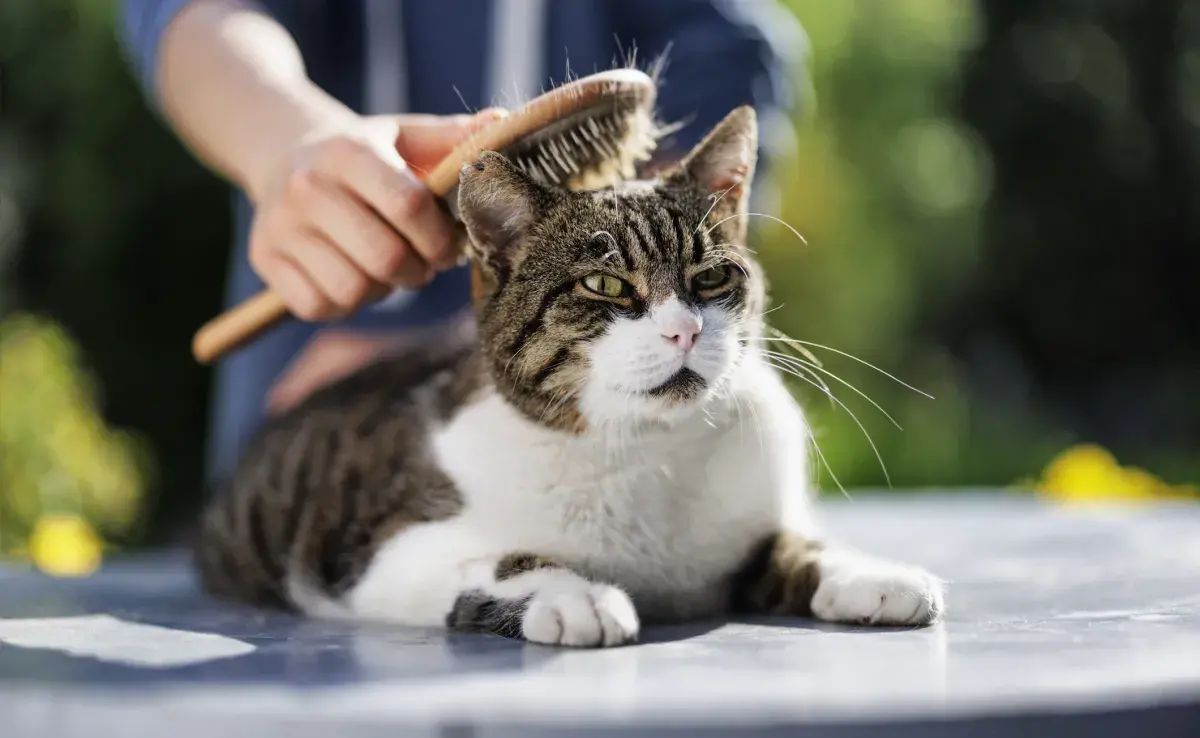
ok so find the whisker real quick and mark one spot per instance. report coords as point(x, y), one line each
point(842, 405)
point(860, 361)
point(824, 462)
point(800, 366)
point(723, 250)
point(780, 335)
point(557, 400)
point(830, 374)
point(507, 364)
point(710, 207)
point(782, 222)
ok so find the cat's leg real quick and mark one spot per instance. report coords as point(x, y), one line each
point(537, 599)
point(793, 575)
point(517, 595)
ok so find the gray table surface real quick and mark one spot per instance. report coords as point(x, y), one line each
point(1061, 621)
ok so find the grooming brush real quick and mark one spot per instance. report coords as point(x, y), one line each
point(585, 134)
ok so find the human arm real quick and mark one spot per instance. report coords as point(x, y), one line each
point(340, 214)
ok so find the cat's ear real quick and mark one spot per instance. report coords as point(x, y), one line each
point(722, 166)
point(499, 204)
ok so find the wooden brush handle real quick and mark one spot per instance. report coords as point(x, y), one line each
point(246, 321)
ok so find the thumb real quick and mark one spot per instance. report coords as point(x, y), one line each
point(424, 140)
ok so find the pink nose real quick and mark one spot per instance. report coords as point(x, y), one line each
point(682, 329)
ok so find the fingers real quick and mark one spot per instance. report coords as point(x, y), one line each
point(352, 219)
point(424, 140)
point(292, 283)
point(375, 249)
point(330, 271)
point(383, 180)
point(313, 276)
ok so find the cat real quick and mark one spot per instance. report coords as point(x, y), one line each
point(610, 450)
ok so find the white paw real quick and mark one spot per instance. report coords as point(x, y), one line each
point(584, 614)
point(857, 589)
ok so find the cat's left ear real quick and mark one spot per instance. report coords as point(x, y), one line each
point(722, 166)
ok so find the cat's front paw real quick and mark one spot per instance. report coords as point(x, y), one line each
point(587, 615)
point(861, 590)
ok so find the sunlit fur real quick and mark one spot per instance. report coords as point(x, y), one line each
point(570, 358)
point(608, 451)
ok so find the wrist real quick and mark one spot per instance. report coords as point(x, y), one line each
point(306, 113)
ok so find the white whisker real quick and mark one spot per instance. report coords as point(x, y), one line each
point(798, 366)
point(782, 222)
point(810, 368)
point(714, 204)
point(860, 361)
point(507, 364)
point(825, 463)
point(854, 417)
point(781, 336)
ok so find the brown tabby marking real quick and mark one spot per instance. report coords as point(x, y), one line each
point(534, 324)
point(519, 563)
point(325, 485)
point(479, 612)
point(780, 578)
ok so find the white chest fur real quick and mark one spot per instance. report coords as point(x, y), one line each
point(666, 514)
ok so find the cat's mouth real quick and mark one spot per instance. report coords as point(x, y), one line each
point(683, 384)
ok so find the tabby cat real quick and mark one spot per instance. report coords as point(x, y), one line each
point(610, 449)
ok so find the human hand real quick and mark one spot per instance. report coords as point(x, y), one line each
point(329, 356)
point(345, 218)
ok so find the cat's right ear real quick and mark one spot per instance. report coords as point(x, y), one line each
point(499, 204)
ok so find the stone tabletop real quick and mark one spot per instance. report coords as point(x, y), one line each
point(1061, 621)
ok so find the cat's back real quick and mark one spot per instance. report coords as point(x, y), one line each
point(322, 483)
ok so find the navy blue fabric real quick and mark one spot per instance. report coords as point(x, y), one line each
point(722, 53)
point(435, 83)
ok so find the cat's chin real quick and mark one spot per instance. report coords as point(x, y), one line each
point(675, 401)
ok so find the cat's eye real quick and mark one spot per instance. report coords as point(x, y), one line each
point(711, 278)
point(607, 285)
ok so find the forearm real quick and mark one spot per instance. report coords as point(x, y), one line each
point(232, 84)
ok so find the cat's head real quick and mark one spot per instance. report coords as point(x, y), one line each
point(620, 305)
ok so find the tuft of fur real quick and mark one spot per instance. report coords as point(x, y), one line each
point(610, 447)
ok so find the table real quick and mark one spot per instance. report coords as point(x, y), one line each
point(1061, 621)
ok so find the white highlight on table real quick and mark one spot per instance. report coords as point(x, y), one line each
point(110, 639)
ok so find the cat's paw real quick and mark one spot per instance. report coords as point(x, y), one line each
point(584, 615)
point(861, 590)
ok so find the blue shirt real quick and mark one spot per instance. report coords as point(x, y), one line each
point(451, 56)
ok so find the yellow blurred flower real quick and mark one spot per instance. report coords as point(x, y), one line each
point(58, 456)
point(1089, 473)
point(65, 546)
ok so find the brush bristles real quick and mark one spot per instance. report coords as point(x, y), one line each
point(591, 149)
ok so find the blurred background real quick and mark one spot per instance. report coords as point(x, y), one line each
point(1001, 201)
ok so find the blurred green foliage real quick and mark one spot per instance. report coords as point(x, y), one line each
point(998, 199)
point(109, 229)
point(1000, 203)
point(57, 457)
point(887, 188)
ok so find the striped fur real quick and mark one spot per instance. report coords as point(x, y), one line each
point(591, 458)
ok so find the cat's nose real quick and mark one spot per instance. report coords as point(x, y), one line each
point(682, 329)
